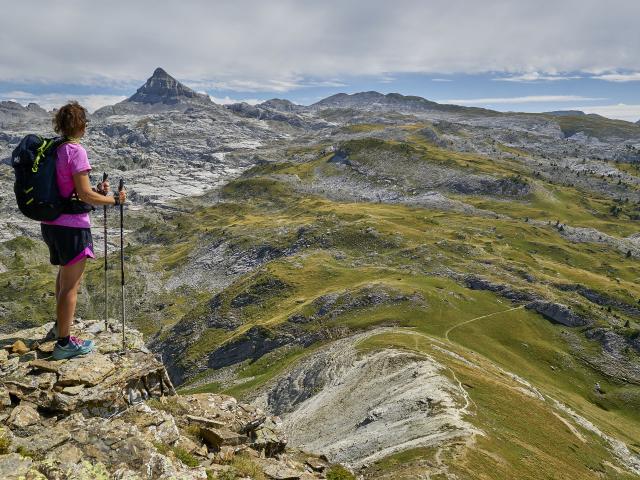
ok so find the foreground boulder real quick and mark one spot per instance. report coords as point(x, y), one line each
point(116, 415)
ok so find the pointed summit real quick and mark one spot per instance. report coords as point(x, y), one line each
point(163, 88)
point(160, 72)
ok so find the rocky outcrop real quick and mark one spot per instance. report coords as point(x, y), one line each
point(332, 305)
point(557, 313)
point(618, 357)
point(602, 299)
point(116, 415)
point(478, 283)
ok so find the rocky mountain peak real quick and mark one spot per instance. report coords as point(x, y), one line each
point(163, 88)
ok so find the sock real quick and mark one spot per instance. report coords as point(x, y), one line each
point(64, 341)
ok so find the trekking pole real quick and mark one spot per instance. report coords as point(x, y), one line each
point(120, 188)
point(106, 297)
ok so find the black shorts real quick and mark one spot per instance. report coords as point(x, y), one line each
point(65, 243)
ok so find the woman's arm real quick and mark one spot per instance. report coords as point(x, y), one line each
point(87, 194)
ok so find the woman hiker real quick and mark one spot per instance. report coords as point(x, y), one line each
point(69, 236)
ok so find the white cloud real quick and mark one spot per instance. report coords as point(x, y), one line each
point(257, 45)
point(531, 77)
point(621, 111)
point(263, 85)
point(49, 101)
point(517, 100)
point(619, 77)
point(228, 100)
point(441, 80)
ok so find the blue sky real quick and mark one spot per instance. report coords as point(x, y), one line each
point(521, 56)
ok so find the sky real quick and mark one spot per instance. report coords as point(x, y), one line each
point(509, 55)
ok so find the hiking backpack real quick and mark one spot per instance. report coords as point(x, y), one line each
point(36, 186)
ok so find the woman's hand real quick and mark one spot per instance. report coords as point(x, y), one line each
point(122, 195)
point(103, 187)
point(86, 192)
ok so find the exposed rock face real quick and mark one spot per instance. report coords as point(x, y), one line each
point(557, 313)
point(478, 283)
point(116, 415)
point(619, 355)
point(602, 299)
point(388, 401)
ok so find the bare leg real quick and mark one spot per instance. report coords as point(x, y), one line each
point(58, 283)
point(69, 281)
point(57, 291)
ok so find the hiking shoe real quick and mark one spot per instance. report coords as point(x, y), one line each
point(53, 335)
point(79, 341)
point(70, 350)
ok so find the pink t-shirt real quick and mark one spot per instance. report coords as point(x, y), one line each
point(72, 159)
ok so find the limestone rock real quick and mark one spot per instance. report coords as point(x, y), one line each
point(75, 390)
point(14, 466)
point(157, 425)
point(19, 347)
point(47, 365)
point(278, 471)
point(207, 422)
point(23, 416)
point(557, 313)
point(219, 437)
point(87, 370)
point(269, 438)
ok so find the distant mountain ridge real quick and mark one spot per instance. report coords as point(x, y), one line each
point(373, 100)
point(565, 113)
point(282, 105)
point(12, 112)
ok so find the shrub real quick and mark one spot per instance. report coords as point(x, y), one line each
point(244, 466)
point(338, 472)
point(5, 443)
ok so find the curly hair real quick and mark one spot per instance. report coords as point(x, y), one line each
point(70, 119)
